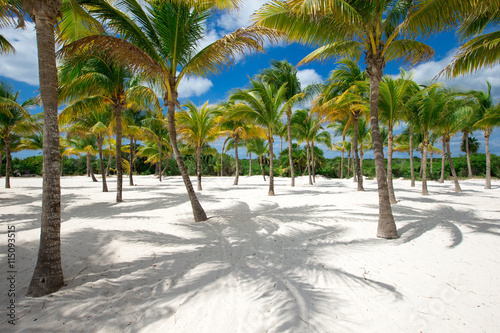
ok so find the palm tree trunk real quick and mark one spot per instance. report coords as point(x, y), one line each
point(353, 159)
point(160, 151)
point(250, 161)
point(131, 162)
point(48, 275)
point(423, 167)
point(453, 172)
point(222, 155)
point(93, 175)
point(88, 165)
point(7, 162)
point(262, 167)
point(412, 167)
point(356, 154)
point(198, 212)
point(198, 167)
point(386, 225)
point(390, 140)
point(108, 167)
point(165, 168)
point(431, 152)
point(443, 160)
point(348, 163)
point(289, 133)
point(101, 164)
point(119, 167)
point(488, 159)
point(236, 157)
point(308, 163)
point(467, 152)
point(313, 162)
point(342, 163)
point(271, 165)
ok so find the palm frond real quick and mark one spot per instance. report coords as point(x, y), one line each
point(343, 49)
point(409, 51)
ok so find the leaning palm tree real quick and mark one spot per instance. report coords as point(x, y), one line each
point(264, 105)
point(282, 72)
point(349, 28)
point(198, 127)
point(160, 40)
point(15, 118)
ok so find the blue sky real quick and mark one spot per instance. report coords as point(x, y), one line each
point(21, 70)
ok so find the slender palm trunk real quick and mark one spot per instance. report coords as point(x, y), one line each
point(7, 162)
point(356, 153)
point(467, 152)
point(93, 175)
point(390, 140)
point(101, 164)
point(342, 163)
point(353, 159)
point(88, 165)
point(165, 168)
point(453, 172)
point(313, 162)
point(262, 167)
point(198, 167)
point(271, 165)
point(431, 153)
point(198, 212)
point(236, 178)
point(386, 225)
point(160, 151)
point(348, 163)
point(289, 133)
point(48, 274)
point(222, 155)
point(488, 159)
point(308, 159)
point(443, 160)
point(361, 154)
point(108, 167)
point(118, 107)
point(412, 166)
point(131, 162)
point(250, 161)
point(424, 164)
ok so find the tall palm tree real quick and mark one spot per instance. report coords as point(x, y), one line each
point(282, 72)
point(259, 147)
point(15, 118)
point(160, 40)
point(349, 28)
point(48, 274)
point(198, 127)
point(264, 105)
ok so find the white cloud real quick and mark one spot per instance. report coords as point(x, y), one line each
point(23, 65)
point(308, 76)
point(193, 86)
point(425, 73)
point(241, 17)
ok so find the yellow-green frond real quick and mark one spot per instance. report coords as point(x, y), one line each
point(409, 51)
point(343, 49)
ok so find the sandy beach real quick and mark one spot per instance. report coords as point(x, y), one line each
point(306, 260)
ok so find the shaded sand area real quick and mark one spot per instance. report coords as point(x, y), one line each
point(306, 260)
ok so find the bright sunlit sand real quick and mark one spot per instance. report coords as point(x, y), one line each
point(306, 260)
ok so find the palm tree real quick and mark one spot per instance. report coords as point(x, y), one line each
point(15, 118)
point(48, 274)
point(155, 129)
point(198, 127)
point(163, 47)
point(347, 28)
point(264, 105)
point(469, 145)
point(132, 119)
point(282, 72)
point(259, 147)
point(339, 129)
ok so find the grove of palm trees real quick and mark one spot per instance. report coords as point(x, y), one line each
point(364, 201)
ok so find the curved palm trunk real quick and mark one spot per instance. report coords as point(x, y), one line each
point(423, 167)
point(236, 139)
point(386, 225)
point(198, 212)
point(356, 154)
point(262, 167)
point(289, 133)
point(7, 162)
point(250, 161)
point(390, 140)
point(443, 160)
point(222, 155)
point(453, 172)
point(131, 162)
point(271, 166)
point(119, 167)
point(412, 167)
point(101, 164)
point(467, 153)
point(488, 159)
point(160, 151)
point(308, 163)
point(48, 275)
point(198, 167)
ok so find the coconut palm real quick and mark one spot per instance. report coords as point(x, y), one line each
point(349, 28)
point(339, 129)
point(282, 72)
point(161, 39)
point(15, 118)
point(151, 151)
point(132, 119)
point(198, 127)
point(259, 147)
point(264, 105)
point(155, 129)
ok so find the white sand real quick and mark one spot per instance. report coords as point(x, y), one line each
point(306, 260)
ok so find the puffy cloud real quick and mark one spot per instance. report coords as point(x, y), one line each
point(193, 86)
point(308, 76)
point(23, 65)
point(241, 17)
